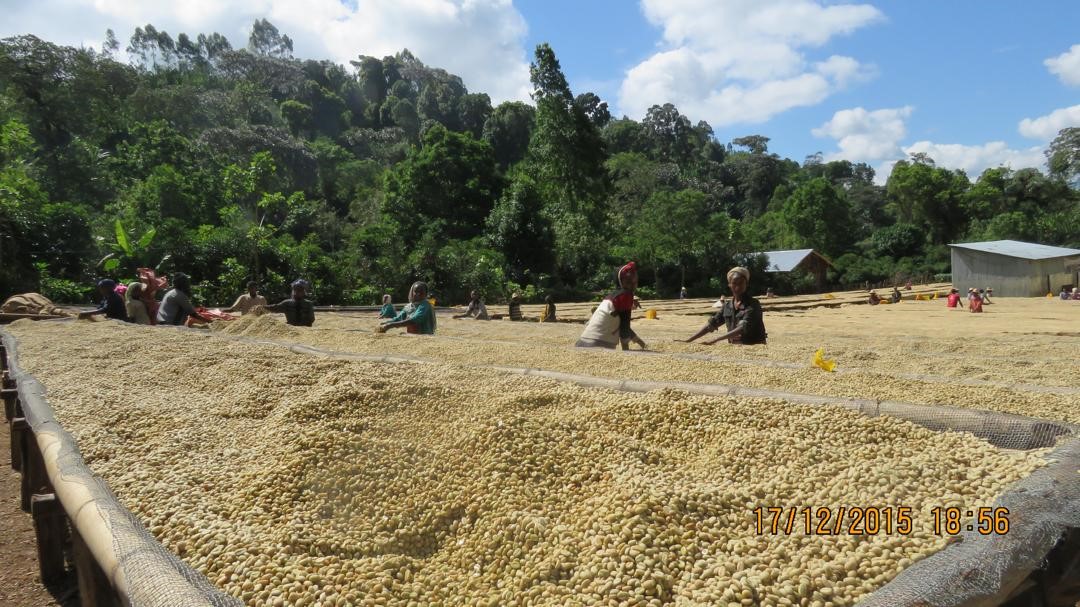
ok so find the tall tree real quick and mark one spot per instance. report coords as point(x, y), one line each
point(1063, 156)
point(265, 39)
point(567, 155)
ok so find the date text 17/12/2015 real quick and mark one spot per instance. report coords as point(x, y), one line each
point(873, 520)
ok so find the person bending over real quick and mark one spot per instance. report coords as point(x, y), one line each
point(417, 316)
point(741, 314)
point(610, 322)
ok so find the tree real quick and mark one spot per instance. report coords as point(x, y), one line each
point(111, 44)
point(265, 39)
point(450, 182)
point(1063, 156)
point(669, 133)
point(474, 111)
point(757, 144)
point(818, 216)
point(567, 155)
point(929, 197)
point(508, 130)
point(594, 108)
point(518, 229)
point(673, 228)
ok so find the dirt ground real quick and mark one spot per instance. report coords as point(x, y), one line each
point(20, 585)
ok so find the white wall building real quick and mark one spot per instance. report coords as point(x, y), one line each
point(1013, 268)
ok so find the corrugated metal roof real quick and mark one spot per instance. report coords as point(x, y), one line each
point(785, 261)
point(1015, 248)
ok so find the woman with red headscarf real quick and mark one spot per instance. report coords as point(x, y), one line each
point(610, 323)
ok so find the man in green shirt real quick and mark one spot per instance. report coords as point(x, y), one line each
point(417, 317)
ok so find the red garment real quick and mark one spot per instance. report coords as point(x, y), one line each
point(954, 298)
point(975, 304)
point(627, 269)
point(214, 314)
point(622, 300)
point(151, 284)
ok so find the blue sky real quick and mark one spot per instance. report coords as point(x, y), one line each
point(973, 84)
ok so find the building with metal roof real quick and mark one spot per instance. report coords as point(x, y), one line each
point(1013, 268)
point(806, 260)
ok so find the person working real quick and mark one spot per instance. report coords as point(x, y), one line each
point(975, 302)
point(548, 315)
point(112, 305)
point(476, 308)
point(135, 307)
point(895, 298)
point(515, 307)
point(874, 298)
point(610, 322)
point(247, 301)
point(417, 316)
point(387, 310)
point(741, 314)
point(954, 299)
point(176, 306)
point(298, 309)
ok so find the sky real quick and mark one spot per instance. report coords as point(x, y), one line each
point(973, 84)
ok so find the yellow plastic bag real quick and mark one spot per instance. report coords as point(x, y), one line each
point(820, 362)
point(431, 300)
point(935, 295)
point(650, 314)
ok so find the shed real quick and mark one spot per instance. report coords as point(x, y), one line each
point(1013, 268)
point(806, 260)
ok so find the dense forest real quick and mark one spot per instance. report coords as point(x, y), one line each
point(231, 164)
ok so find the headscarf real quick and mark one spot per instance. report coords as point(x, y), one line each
point(624, 271)
point(300, 282)
point(107, 283)
point(740, 271)
point(134, 290)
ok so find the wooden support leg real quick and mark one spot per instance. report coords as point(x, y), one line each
point(11, 401)
point(50, 527)
point(20, 432)
point(94, 587)
point(35, 479)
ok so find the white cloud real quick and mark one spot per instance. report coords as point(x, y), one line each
point(867, 136)
point(1066, 66)
point(974, 159)
point(742, 61)
point(876, 137)
point(1045, 128)
point(480, 40)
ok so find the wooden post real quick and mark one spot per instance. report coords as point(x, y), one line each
point(19, 431)
point(95, 590)
point(50, 527)
point(34, 477)
point(11, 401)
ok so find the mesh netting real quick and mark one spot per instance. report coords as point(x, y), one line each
point(981, 570)
point(147, 573)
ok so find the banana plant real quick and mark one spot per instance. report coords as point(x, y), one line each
point(126, 250)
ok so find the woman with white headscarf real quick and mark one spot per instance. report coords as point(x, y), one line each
point(741, 314)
